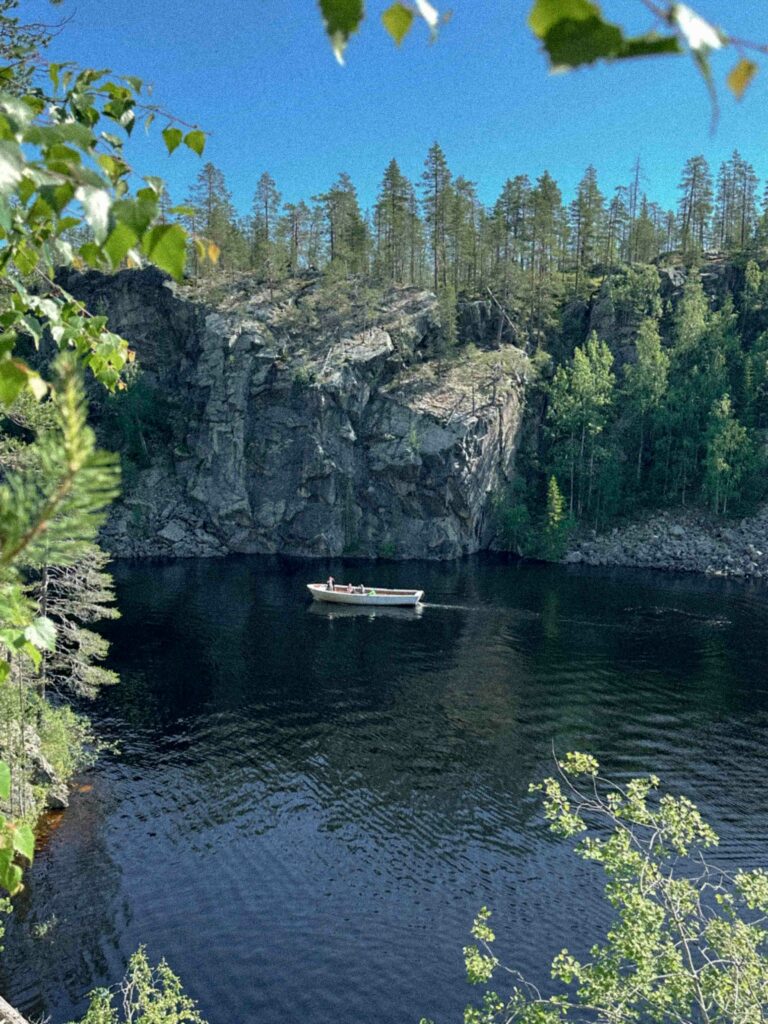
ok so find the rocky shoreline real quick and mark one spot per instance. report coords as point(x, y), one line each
point(689, 542)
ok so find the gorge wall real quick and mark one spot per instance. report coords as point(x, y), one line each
point(307, 422)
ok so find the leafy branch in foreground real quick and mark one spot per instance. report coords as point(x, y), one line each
point(16, 840)
point(688, 943)
point(574, 33)
point(64, 202)
point(148, 995)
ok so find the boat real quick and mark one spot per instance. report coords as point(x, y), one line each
point(371, 595)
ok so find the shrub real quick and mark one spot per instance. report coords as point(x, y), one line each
point(147, 995)
point(688, 943)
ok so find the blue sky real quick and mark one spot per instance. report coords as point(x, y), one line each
point(259, 75)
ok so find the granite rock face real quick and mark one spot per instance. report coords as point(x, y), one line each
point(303, 425)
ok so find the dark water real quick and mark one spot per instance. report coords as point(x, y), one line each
point(309, 807)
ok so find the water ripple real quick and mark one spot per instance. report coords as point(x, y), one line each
point(308, 809)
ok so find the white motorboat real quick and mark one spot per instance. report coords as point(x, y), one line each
point(364, 595)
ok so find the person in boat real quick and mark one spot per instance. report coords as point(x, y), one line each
point(349, 588)
point(360, 589)
point(329, 584)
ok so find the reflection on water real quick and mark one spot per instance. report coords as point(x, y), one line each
point(340, 611)
point(311, 803)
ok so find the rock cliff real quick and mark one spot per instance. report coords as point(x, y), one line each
point(312, 421)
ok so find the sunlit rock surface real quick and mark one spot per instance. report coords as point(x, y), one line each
point(308, 423)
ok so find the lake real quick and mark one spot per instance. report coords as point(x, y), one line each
point(309, 805)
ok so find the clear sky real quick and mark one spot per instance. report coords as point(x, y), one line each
point(259, 75)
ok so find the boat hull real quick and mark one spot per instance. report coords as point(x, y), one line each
point(391, 598)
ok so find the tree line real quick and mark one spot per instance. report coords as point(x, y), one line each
point(436, 232)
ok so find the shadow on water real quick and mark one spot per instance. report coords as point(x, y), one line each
point(311, 803)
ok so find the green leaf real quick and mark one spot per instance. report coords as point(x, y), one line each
point(570, 43)
point(5, 781)
point(740, 76)
point(57, 196)
point(23, 841)
point(166, 246)
point(574, 33)
point(10, 873)
point(121, 239)
point(5, 671)
point(397, 21)
point(138, 213)
point(25, 257)
point(342, 18)
point(34, 328)
point(42, 633)
point(92, 254)
point(172, 138)
point(545, 14)
point(12, 380)
point(32, 653)
point(195, 140)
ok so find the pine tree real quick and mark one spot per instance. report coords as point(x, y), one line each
point(695, 208)
point(728, 455)
point(634, 195)
point(548, 242)
point(646, 233)
point(465, 225)
point(646, 380)
point(292, 235)
point(316, 232)
point(510, 224)
point(704, 353)
point(264, 215)
point(396, 229)
point(736, 203)
point(346, 234)
point(761, 228)
point(437, 194)
point(587, 223)
point(74, 597)
point(446, 302)
point(52, 502)
point(214, 217)
point(555, 532)
point(691, 315)
point(752, 300)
